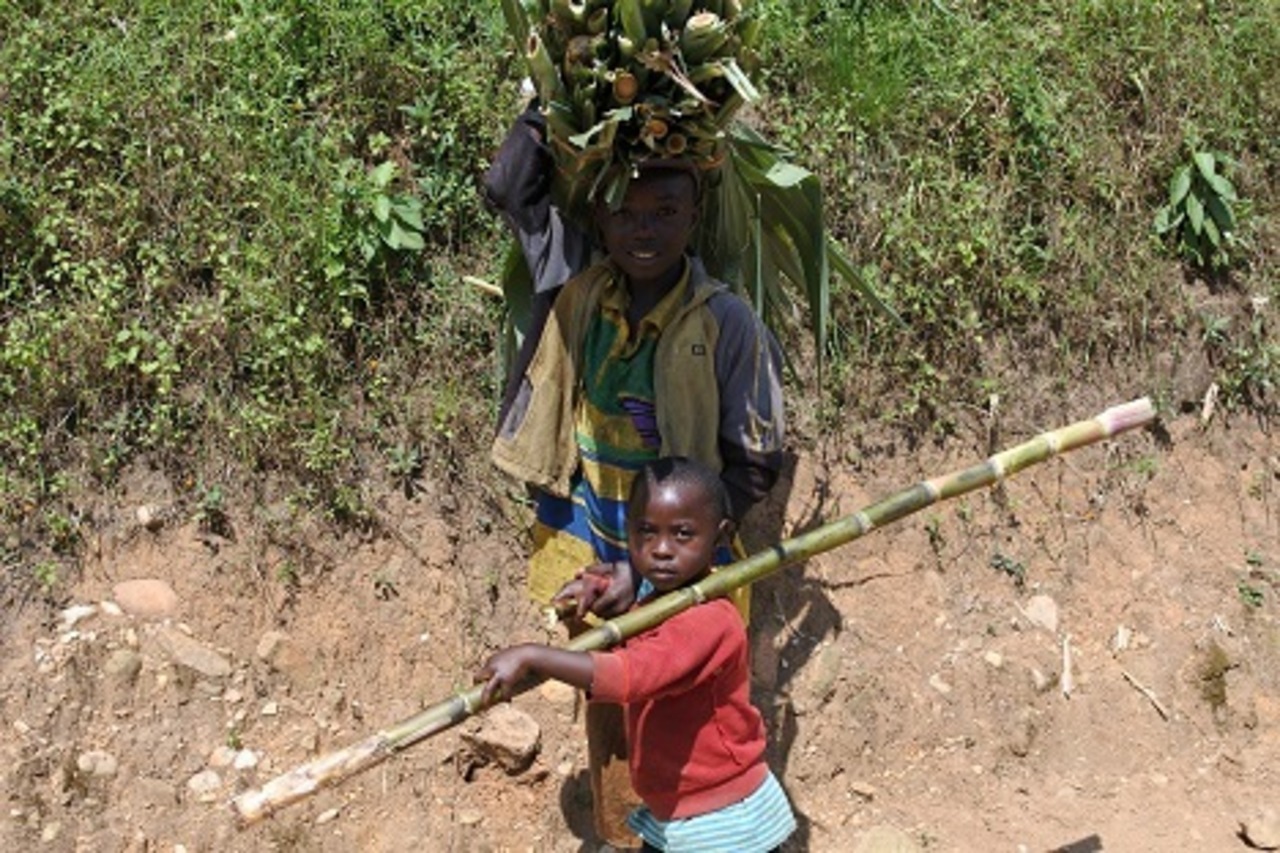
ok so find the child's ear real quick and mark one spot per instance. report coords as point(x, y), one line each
point(724, 532)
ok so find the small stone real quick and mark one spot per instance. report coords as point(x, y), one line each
point(221, 757)
point(95, 762)
point(269, 644)
point(76, 613)
point(326, 816)
point(233, 697)
point(246, 759)
point(558, 694)
point(1041, 610)
point(994, 659)
point(110, 608)
point(50, 832)
point(1262, 828)
point(194, 655)
point(937, 682)
point(150, 517)
point(122, 666)
point(863, 790)
point(564, 769)
point(506, 736)
point(146, 597)
point(204, 785)
point(270, 709)
point(1042, 683)
point(470, 817)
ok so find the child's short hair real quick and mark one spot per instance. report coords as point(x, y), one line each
point(680, 470)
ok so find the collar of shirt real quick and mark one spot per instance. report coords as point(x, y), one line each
point(616, 297)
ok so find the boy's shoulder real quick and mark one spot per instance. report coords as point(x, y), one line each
point(717, 616)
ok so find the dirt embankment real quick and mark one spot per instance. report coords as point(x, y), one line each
point(1085, 658)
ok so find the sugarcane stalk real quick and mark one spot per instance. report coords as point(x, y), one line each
point(337, 766)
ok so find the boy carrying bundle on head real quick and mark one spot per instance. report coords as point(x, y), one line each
point(643, 355)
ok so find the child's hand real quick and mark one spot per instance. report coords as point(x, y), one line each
point(501, 673)
point(605, 589)
point(579, 595)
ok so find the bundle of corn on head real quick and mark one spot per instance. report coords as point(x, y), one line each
point(620, 82)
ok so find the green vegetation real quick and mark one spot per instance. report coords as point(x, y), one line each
point(233, 235)
point(1009, 566)
point(996, 169)
point(1250, 595)
point(1199, 212)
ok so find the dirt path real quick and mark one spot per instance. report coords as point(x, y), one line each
point(913, 680)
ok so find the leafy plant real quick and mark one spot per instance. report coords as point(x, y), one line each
point(396, 216)
point(1199, 212)
point(1011, 567)
point(404, 464)
point(46, 574)
point(211, 511)
point(1250, 595)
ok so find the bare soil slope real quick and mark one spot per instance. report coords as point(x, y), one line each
point(915, 681)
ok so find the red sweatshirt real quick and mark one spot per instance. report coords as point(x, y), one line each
point(696, 741)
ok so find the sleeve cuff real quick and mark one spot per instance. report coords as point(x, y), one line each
point(609, 683)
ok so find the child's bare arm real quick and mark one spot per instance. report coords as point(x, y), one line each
point(503, 672)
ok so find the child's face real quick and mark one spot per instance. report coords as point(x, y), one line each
point(647, 235)
point(672, 538)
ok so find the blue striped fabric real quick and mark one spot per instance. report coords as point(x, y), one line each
point(756, 824)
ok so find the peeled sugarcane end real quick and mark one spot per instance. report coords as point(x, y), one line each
point(1127, 416)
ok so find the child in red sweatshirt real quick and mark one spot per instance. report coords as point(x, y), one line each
point(695, 741)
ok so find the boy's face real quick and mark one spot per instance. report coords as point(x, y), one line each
point(673, 535)
point(647, 235)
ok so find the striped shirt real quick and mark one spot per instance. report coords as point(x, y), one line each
point(617, 433)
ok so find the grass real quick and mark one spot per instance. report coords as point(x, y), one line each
point(232, 235)
point(1000, 166)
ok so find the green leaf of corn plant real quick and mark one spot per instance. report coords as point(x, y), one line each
point(756, 181)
